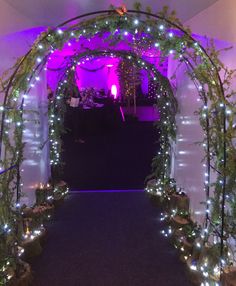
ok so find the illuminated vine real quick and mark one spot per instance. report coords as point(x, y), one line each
point(165, 33)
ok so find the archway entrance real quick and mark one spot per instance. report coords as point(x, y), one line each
point(79, 63)
point(163, 32)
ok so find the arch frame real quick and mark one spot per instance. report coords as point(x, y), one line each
point(210, 89)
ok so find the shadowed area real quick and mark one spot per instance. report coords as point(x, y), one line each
point(108, 238)
point(117, 158)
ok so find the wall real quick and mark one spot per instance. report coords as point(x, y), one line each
point(187, 166)
point(36, 166)
point(16, 45)
point(101, 79)
point(217, 21)
point(7, 13)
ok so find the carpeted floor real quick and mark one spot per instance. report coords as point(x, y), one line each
point(108, 239)
point(112, 159)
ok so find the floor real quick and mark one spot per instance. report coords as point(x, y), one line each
point(108, 239)
point(111, 159)
point(107, 233)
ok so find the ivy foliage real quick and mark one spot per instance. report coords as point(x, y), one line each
point(141, 31)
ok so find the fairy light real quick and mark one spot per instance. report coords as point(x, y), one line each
point(193, 267)
point(163, 152)
point(59, 31)
point(198, 245)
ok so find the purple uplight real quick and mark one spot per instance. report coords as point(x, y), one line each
point(114, 91)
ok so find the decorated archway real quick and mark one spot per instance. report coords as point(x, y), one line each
point(165, 90)
point(139, 30)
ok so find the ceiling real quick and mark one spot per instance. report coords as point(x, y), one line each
point(53, 12)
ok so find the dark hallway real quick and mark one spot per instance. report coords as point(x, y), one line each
point(111, 159)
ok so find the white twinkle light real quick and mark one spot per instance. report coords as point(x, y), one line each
point(59, 31)
point(193, 267)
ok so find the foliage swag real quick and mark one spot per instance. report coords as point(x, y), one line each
point(141, 31)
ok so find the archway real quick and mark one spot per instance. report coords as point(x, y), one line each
point(165, 32)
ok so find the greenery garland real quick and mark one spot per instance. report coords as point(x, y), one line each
point(216, 114)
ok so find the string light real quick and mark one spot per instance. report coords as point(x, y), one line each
point(59, 31)
point(158, 189)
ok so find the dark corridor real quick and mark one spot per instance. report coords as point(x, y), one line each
point(118, 158)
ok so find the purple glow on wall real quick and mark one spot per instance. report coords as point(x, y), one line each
point(102, 74)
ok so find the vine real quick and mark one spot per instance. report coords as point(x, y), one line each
point(141, 31)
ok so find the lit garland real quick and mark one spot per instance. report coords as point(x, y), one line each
point(132, 59)
point(129, 77)
point(151, 32)
point(56, 112)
